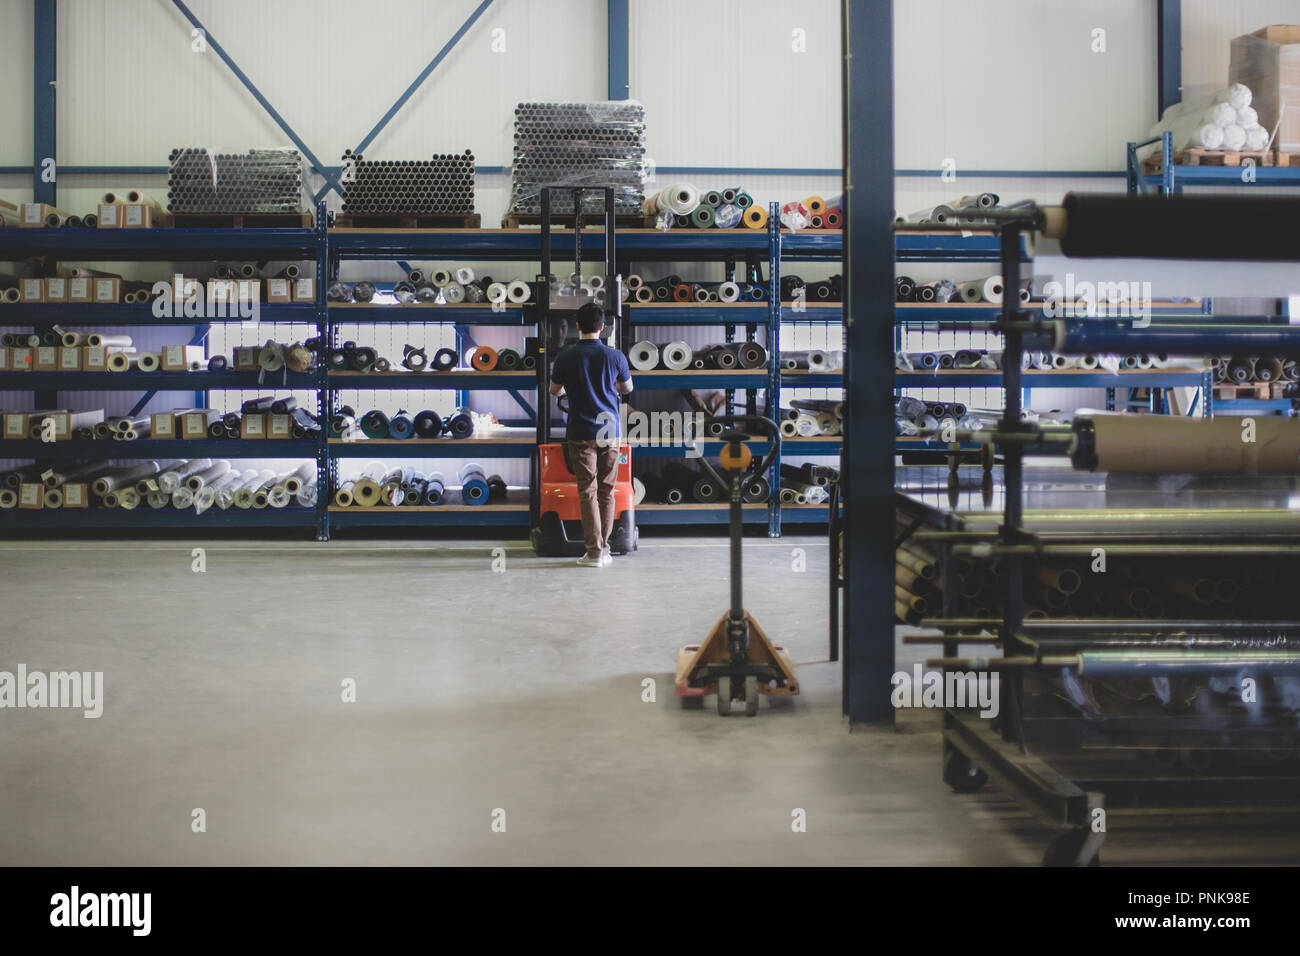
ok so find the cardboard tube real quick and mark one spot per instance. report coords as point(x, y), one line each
point(1213, 446)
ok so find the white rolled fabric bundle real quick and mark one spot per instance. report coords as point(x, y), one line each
point(644, 356)
point(806, 426)
point(1220, 114)
point(680, 199)
point(638, 490)
point(1247, 117)
point(1064, 361)
point(1207, 136)
point(728, 292)
point(1256, 137)
point(817, 361)
point(992, 289)
point(518, 291)
point(1238, 96)
point(1234, 137)
point(972, 291)
point(496, 292)
point(677, 356)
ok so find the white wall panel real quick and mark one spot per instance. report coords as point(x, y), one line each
point(16, 63)
point(1209, 27)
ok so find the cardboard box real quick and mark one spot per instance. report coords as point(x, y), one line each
point(15, 425)
point(32, 215)
point(246, 358)
point(94, 358)
point(178, 358)
point(56, 289)
point(162, 425)
point(221, 290)
point(248, 290)
point(33, 290)
point(79, 289)
point(194, 423)
point(20, 358)
point(75, 495)
point(66, 423)
point(279, 426)
point(31, 496)
point(110, 216)
point(47, 358)
point(4, 358)
point(143, 216)
point(1268, 61)
point(304, 290)
point(277, 290)
point(69, 359)
point(108, 290)
point(253, 425)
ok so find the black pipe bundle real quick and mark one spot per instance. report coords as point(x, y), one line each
point(442, 185)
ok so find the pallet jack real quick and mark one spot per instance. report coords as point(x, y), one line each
point(737, 661)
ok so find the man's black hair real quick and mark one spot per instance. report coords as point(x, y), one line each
point(590, 318)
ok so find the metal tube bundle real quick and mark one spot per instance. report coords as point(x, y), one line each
point(257, 181)
point(579, 144)
point(442, 185)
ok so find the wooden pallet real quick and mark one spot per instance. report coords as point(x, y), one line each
point(242, 220)
point(565, 220)
point(1288, 159)
point(349, 220)
point(1218, 157)
point(1253, 390)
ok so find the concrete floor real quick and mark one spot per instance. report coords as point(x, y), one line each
point(477, 690)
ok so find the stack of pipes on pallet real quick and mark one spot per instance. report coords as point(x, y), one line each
point(806, 484)
point(677, 356)
point(378, 485)
point(579, 144)
point(1248, 369)
point(678, 483)
point(809, 417)
point(256, 181)
point(682, 204)
point(989, 289)
point(796, 288)
point(435, 286)
point(814, 212)
point(198, 483)
point(813, 360)
point(672, 288)
point(1222, 120)
point(376, 424)
point(351, 357)
point(443, 185)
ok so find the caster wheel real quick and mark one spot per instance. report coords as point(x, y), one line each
point(724, 696)
point(751, 696)
point(1064, 850)
point(962, 775)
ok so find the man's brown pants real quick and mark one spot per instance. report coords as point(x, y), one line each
point(596, 469)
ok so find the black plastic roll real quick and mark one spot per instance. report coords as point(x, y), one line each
point(362, 358)
point(283, 406)
point(231, 420)
point(507, 360)
point(756, 489)
point(217, 429)
point(752, 355)
point(255, 405)
point(338, 360)
point(427, 424)
point(217, 363)
point(460, 425)
point(444, 360)
point(706, 490)
point(1233, 228)
point(375, 424)
point(496, 488)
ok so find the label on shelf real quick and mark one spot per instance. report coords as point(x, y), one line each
point(56, 289)
point(34, 213)
point(79, 290)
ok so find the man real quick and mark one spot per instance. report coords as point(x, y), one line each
point(593, 375)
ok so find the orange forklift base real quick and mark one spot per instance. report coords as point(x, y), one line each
point(714, 649)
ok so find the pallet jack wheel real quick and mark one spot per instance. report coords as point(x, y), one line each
point(962, 775)
point(751, 696)
point(1064, 849)
point(724, 696)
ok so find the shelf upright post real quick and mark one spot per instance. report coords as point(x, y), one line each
point(774, 360)
point(326, 467)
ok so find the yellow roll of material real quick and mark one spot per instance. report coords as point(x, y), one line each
point(754, 218)
point(815, 205)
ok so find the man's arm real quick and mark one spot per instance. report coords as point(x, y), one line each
point(557, 389)
point(624, 378)
point(625, 388)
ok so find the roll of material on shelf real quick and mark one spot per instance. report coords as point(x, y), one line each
point(496, 292)
point(201, 478)
point(728, 291)
point(461, 424)
point(307, 495)
point(343, 496)
point(508, 360)
point(427, 424)
point(1176, 445)
point(992, 290)
point(1256, 137)
point(644, 356)
point(756, 489)
point(705, 490)
point(940, 213)
point(173, 478)
point(755, 217)
point(484, 358)
point(1234, 137)
point(435, 489)
point(972, 291)
point(114, 341)
point(400, 427)
point(374, 424)
point(474, 489)
point(727, 216)
point(702, 216)
point(676, 356)
point(518, 291)
point(751, 355)
point(444, 360)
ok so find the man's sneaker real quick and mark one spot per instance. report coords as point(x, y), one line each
point(606, 557)
point(587, 562)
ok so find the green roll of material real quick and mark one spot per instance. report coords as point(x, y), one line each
point(713, 198)
point(375, 424)
point(702, 217)
point(744, 200)
point(507, 360)
point(528, 362)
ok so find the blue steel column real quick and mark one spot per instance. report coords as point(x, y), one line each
point(773, 359)
point(44, 139)
point(1169, 54)
point(868, 478)
point(619, 26)
point(325, 474)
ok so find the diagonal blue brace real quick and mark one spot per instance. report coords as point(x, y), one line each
point(522, 403)
point(257, 95)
